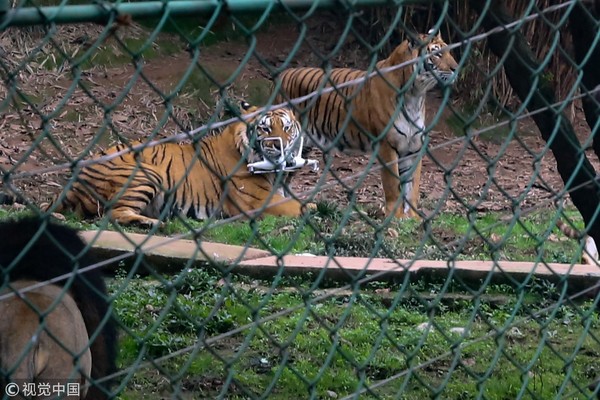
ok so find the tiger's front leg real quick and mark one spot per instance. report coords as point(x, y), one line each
point(398, 194)
point(287, 207)
point(262, 201)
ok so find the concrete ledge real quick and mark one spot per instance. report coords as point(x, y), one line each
point(168, 255)
point(580, 275)
point(164, 253)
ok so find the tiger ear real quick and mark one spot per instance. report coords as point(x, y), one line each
point(413, 41)
point(244, 105)
point(431, 33)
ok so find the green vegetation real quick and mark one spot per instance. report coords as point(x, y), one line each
point(434, 339)
point(340, 231)
point(422, 338)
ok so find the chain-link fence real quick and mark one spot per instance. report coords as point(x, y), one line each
point(298, 199)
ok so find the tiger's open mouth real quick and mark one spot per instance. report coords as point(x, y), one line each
point(271, 151)
point(275, 148)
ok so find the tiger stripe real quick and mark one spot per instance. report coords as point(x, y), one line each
point(198, 181)
point(356, 118)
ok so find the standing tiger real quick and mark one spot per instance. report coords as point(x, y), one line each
point(199, 180)
point(385, 114)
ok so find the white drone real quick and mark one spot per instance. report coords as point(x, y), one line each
point(282, 160)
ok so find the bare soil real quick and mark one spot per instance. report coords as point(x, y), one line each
point(118, 102)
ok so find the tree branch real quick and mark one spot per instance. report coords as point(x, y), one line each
point(537, 92)
point(583, 30)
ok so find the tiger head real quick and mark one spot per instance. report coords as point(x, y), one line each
point(438, 65)
point(271, 135)
point(435, 65)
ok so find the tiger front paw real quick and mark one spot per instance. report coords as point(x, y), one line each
point(401, 213)
point(408, 215)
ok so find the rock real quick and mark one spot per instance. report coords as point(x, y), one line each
point(458, 330)
point(424, 326)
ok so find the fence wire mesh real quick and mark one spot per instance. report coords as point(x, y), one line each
point(445, 247)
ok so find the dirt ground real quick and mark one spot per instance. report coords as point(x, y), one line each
point(488, 173)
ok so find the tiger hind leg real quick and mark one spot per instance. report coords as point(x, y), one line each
point(411, 194)
point(390, 181)
point(80, 202)
point(142, 189)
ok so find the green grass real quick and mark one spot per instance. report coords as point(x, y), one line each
point(366, 333)
point(345, 342)
point(342, 232)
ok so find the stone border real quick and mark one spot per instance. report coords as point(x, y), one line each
point(170, 257)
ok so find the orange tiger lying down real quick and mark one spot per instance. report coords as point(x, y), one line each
point(209, 178)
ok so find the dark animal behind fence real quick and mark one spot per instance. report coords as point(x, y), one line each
point(32, 249)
